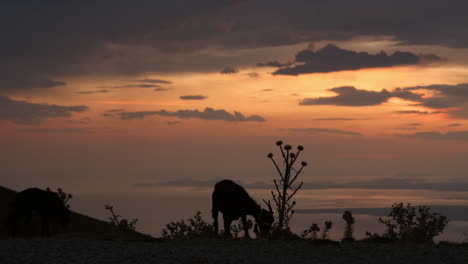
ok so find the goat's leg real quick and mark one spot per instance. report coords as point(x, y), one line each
point(245, 226)
point(227, 225)
point(214, 214)
point(45, 229)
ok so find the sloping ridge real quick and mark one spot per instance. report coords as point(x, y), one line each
point(82, 226)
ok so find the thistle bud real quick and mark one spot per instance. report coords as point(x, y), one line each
point(292, 155)
point(270, 155)
point(279, 143)
point(304, 163)
point(301, 148)
point(287, 147)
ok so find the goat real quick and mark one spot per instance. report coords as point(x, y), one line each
point(234, 202)
point(47, 204)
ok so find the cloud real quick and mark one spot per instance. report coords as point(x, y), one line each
point(433, 135)
point(410, 126)
point(332, 58)
point(25, 82)
point(229, 70)
point(160, 89)
point(139, 86)
point(325, 130)
point(207, 114)
point(276, 64)
point(154, 81)
point(158, 36)
point(105, 42)
point(414, 124)
point(459, 90)
point(446, 96)
point(112, 112)
point(93, 92)
point(253, 74)
point(408, 112)
point(406, 174)
point(337, 119)
point(171, 123)
point(57, 130)
point(350, 96)
point(454, 125)
point(22, 112)
point(83, 121)
point(193, 97)
point(266, 90)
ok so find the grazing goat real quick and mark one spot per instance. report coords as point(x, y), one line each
point(234, 202)
point(46, 204)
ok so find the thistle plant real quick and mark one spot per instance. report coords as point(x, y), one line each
point(284, 187)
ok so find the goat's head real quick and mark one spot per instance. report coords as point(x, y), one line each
point(265, 220)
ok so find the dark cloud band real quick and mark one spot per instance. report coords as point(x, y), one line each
point(207, 114)
point(22, 112)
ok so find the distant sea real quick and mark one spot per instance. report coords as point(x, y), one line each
point(155, 207)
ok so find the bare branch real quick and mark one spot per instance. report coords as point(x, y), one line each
point(277, 168)
point(295, 191)
point(297, 174)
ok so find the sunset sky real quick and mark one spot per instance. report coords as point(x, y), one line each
point(160, 99)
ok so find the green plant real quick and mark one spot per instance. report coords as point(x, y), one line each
point(118, 221)
point(413, 224)
point(65, 197)
point(348, 233)
point(193, 227)
point(284, 188)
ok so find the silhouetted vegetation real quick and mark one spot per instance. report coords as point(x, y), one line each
point(284, 187)
point(348, 233)
point(118, 221)
point(65, 197)
point(311, 232)
point(193, 227)
point(411, 224)
point(327, 226)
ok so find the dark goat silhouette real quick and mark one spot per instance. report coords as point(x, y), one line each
point(234, 202)
point(47, 204)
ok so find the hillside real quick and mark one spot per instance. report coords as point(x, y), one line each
point(82, 226)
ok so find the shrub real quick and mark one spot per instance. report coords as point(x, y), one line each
point(348, 233)
point(277, 233)
point(413, 224)
point(327, 226)
point(312, 231)
point(193, 227)
point(118, 221)
point(65, 197)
